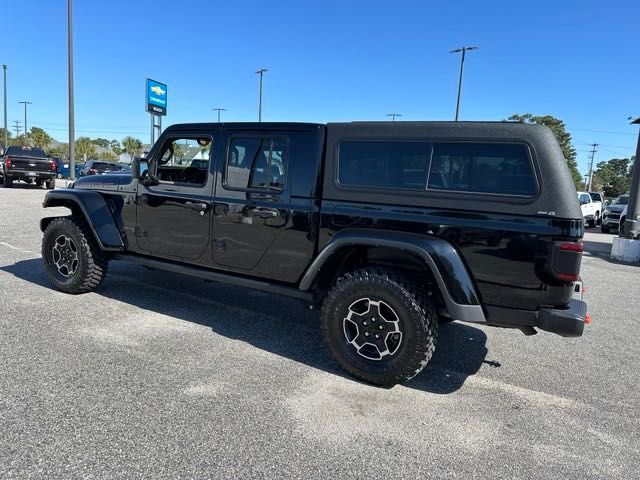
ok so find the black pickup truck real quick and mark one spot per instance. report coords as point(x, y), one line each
point(390, 227)
point(29, 164)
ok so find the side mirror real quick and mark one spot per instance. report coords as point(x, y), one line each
point(139, 168)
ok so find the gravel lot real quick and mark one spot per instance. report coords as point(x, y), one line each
point(162, 376)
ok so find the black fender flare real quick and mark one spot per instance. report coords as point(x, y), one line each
point(456, 285)
point(95, 210)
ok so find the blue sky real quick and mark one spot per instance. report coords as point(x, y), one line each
point(329, 61)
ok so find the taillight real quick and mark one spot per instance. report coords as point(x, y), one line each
point(7, 162)
point(577, 247)
point(565, 265)
point(53, 166)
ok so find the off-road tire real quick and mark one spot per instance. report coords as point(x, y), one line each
point(418, 321)
point(591, 223)
point(7, 182)
point(50, 184)
point(92, 262)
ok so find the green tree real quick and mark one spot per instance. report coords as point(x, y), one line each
point(84, 148)
point(40, 138)
point(559, 129)
point(115, 147)
point(2, 136)
point(107, 156)
point(614, 175)
point(101, 142)
point(132, 146)
point(59, 151)
point(20, 140)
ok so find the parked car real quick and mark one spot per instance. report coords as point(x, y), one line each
point(28, 164)
point(347, 217)
point(97, 167)
point(612, 215)
point(590, 209)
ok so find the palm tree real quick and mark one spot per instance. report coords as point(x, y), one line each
point(132, 146)
point(85, 148)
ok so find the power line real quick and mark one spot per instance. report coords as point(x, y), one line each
point(462, 50)
point(393, 116)
point(218, 109)
point(17, 127)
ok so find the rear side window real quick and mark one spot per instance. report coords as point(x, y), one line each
point(383, 164)
point(483, 168)
point(256, 163)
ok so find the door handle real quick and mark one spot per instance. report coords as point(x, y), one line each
point(197, 206)
point(266, 212)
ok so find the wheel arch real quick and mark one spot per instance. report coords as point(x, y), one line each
point(426, 253)
point(93, 209)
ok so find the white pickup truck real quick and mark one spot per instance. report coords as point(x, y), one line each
point(591, 206)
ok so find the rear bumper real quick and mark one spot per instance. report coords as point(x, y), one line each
point(26, 175)
point(566, 322)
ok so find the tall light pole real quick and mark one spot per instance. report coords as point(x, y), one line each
point(631, 227)
point(593, 154)
point(72, 133)
point(462, 50)
point(261, 73)
point(26, 130)
point(4, 72)
point(393, 116)
point(218, 109)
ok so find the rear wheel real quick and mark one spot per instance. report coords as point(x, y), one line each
point(604, 229)
point(7, 182)
point(379, 326)
point(72, 257)
point(50, 184)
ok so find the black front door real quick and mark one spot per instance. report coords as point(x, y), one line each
point(174, 217)
point(251, 205)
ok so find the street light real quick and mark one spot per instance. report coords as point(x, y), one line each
point(4, 72)
point(631, 227)
point(261, 73)
point(72, 134)
point(393, 116)
point(219, 110)
point(26, 130)
point(462, 50)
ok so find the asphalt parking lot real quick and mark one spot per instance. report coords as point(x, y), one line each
point(161, 376)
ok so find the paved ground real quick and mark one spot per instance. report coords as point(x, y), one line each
point(161, 376)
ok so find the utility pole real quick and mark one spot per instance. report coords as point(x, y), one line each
point(26, 130)
point(17, 127)
point(393, 116)
point(631, 227)
point(4, 72)
point(72, 133)
point(261, 73)
point(462, 50)
point(593, 154)
point(218, 109)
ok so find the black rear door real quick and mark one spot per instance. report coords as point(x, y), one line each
point(251, 206)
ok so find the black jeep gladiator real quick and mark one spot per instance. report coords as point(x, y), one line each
point(390, 227)
point(28, 164)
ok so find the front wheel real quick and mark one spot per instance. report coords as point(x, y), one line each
point(379, 326)
point(72, 257)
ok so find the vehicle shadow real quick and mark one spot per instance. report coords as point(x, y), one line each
point(276, 324)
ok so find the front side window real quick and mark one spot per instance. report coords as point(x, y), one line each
point(584, 199)
point(482, 168)
point(383, 164)
point(185, 160)
point(256, 163)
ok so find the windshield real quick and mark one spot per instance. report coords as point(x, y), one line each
point(103, 167)
point(26, 152)
point(621, 200)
